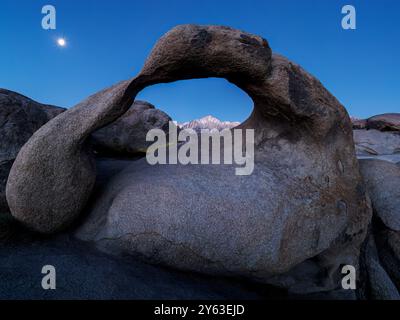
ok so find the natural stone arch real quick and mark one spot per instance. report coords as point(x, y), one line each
point(191, 51)
point(304, 146)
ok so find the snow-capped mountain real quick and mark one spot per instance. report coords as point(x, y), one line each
point(208, 122)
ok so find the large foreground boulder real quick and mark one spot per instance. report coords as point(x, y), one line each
point(304, 204)
point(20, 117)
point(127, 135)
point(379, 284)
point(388, 243)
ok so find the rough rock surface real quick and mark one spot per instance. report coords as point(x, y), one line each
point(20, 117)
point(127, 135)
point(388, 244)
point(385, 122)
point(305, 199)
point(382, 179)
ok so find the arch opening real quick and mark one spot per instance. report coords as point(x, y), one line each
point(188, 100)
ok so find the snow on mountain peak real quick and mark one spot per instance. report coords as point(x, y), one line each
point(208, 122)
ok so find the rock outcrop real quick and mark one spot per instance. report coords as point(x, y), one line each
point(127, 135)
point(20, 118)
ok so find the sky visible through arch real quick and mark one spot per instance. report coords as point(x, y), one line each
point(108, 41)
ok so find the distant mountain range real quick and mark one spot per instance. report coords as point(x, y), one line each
point(208, 122)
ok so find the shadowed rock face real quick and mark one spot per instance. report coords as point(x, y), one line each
point(305, 199)
point(20, 117)
point(388, 243)
point(379, 282)
point(89, 274)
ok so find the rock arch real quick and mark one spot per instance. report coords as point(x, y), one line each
point(316, 202)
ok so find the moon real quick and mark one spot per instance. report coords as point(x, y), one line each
point(61, 42)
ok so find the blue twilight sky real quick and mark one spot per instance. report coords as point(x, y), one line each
point(109, 40)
